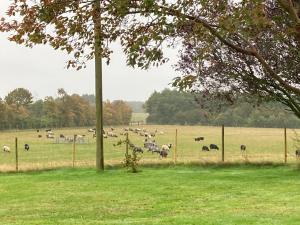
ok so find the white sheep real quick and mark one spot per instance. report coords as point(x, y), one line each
point(166, 147)
point(6, 148)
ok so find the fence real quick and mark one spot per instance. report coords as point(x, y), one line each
point(262, 145)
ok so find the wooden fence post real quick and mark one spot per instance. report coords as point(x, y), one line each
point(285, 145)
point(74, 149)
point(223, 143)
point(17, 156)
point(126, 144)
point(175, 149)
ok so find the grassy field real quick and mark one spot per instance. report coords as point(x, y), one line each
point(245, 194)
point(263, 145)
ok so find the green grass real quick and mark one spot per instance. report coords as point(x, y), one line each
point(263, 145)
point(209, 195)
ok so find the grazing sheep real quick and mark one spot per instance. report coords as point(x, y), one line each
point(51, 136)
point(48, 130)
point(6, 148)
point(138, 149)
point(298, 153)
point(199, 138)
point(111, 134)
point(163, 154)
point(243, 148)
point(80, 138)
point(91, 130)
point(166, 147)
point(213, 147)
point(62, 136)
point(104, 135)
point(26, 147)
point(39, 136)
point(205, 149)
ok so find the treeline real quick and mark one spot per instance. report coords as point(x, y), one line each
point(174, 107)
point(18, 110)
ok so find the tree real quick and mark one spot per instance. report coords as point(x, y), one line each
point(19, 97)
point(81, 28)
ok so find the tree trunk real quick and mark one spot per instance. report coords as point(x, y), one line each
point(98, 86)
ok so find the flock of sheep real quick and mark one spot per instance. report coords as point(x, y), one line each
point(150, 144)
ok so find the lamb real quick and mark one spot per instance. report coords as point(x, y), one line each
point(205, 149)
point(213, 147)
point(166, 147)
point(26, 147)
point(6, 148)
point(243, 148)
point(298, 153)
point(199, 138)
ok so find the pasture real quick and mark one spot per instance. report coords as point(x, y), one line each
point(263, 145)
point(245, 194)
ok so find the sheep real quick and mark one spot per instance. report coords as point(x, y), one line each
point(62, 136)
point(138, 149)
point(298, 153)
point(213, 147)
point(111, 134)
point(39, 136)
point(91, 130)
point(199, 138)
point(51, 136)
point(166, 147)
point(26, 147)
point(48, 130)
point(243, 148)
point(37, 130)
point(205, 149)
point(163, 154)
point(6, 148)
point(80, 138)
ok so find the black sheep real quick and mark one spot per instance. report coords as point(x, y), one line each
point(205, 149)
point(26, 147)
point(298, 153)
point(213, 147)
point(243, 148)
point(199, 138)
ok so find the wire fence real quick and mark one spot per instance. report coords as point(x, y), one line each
point(77, 147)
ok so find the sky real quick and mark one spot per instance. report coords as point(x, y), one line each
point(42, 70)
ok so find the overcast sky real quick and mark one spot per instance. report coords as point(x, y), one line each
point(42, 71)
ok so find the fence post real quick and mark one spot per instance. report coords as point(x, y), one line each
point(223, 143)
point(175, 149)
point(285, 145)
point(17, 156)
point(126, 144)
point(74, 149)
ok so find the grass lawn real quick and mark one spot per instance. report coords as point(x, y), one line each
point(244, 194)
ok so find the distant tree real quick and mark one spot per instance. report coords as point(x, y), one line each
point(19, 97)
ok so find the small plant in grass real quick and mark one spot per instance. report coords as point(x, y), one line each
point(132, 156)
